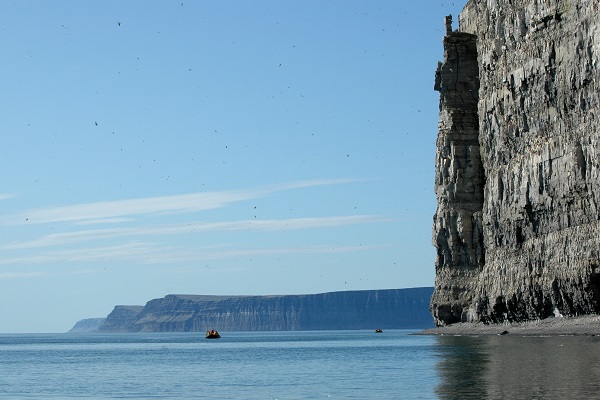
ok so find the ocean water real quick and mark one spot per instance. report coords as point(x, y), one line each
point(297, 365)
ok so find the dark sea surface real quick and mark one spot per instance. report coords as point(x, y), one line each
point(298, 365)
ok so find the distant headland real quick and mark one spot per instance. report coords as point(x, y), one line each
point(361, 309)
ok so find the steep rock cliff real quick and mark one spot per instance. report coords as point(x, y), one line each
point(386, 309)
point(120, 319)
point(517, 229)
point(87, 325)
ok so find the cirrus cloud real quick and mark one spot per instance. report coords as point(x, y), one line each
point(119, 209)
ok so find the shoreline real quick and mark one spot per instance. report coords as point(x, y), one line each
point(587, 325)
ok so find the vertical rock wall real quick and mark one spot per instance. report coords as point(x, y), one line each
point(459, 181)
point(361, 309)
point(534, 242)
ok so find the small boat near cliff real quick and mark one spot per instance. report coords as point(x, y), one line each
point(212, 334)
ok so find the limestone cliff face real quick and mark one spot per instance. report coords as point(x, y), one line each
point(370, 309)
point(120, 319)
point(517, 229)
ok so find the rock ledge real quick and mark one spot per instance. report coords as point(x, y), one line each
point(560, 326)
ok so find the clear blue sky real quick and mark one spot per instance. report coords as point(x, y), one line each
point(212, 147)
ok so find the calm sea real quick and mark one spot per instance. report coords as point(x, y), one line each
point(297, 365)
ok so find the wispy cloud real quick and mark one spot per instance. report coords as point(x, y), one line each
point(19, 275)
point(4, 196)
point(40, 274)
point(125, 251)
point(105, 210)
point(152, 253)
point(103, 221)
point(207, 254)
point(133, 243)
point(58, 239)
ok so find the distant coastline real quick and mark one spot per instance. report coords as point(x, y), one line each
point(346, 310)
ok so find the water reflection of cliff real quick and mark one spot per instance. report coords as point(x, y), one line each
point(510, 367)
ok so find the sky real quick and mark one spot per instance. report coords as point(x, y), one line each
point(219, 147)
